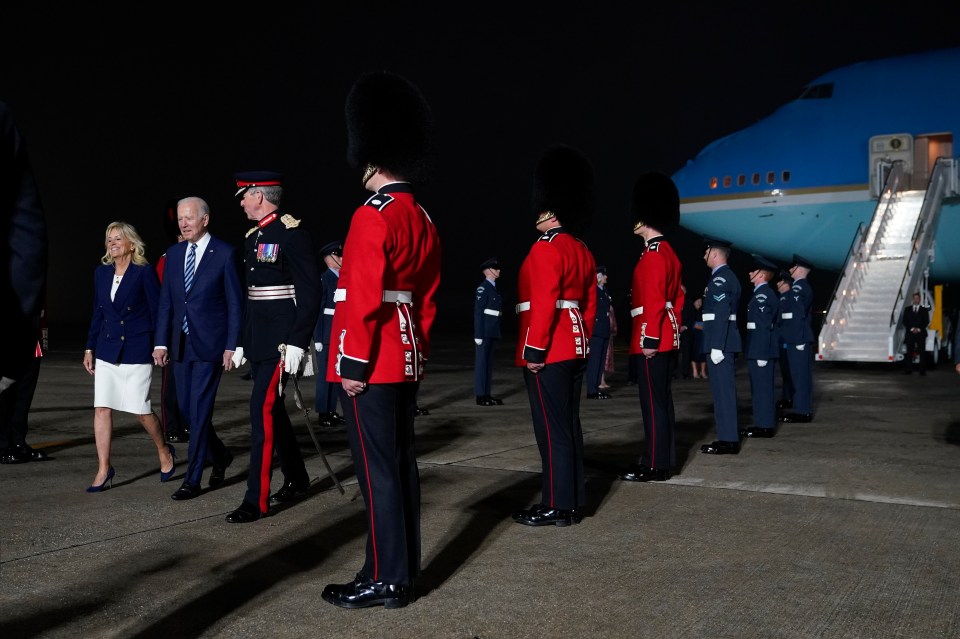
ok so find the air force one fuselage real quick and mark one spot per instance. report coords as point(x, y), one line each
point(804, 178)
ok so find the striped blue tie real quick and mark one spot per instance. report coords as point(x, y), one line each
point(188, 277)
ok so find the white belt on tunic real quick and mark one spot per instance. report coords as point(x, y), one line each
point(707, 317)
point(329, 311)
point(638, 310)
point(525, 306)
point(389, 297)
point(751, 326)
point(787, 316)
point(490, 311)
point(284, 292)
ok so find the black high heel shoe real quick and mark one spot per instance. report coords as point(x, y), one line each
point(165, 476)
point(102, 487)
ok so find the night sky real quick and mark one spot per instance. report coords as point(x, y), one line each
point(121, 114)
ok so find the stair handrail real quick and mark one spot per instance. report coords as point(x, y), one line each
point(891, 190)
point(922, 241)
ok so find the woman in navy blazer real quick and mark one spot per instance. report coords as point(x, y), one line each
point(126, 291)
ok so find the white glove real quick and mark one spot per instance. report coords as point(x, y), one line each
point(292, 359)
point(761, 363)
point(238, 358)
point(716, 355)
point(318, 347)
point(478, 341)
point(800, 347)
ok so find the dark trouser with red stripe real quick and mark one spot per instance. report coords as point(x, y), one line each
point(656, 406)
point(555, 405)
point(270, 429)
point(379, 423)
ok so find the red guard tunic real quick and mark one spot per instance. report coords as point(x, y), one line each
point(558, 294)
point(657, 299)
point(385, 303)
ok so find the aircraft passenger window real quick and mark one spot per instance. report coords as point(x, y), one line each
point(755, 179)
point(713, 183)
point(785, 176)
point(818, 92)
point(771, 177)
point(726, 182)
point(741, 179)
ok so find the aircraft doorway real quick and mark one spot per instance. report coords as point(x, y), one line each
point(927, 148)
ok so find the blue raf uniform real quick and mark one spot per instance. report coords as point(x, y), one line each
point(599, 341)
point(762, 349)
point(326, 392)
point(487, 311)
point(797, 328)
point(720, 303)
point(784, 308)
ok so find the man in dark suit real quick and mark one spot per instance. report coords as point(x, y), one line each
point(916, 318)
point(599, 339)
point(721, 342)
point(23, 279)
point(487, 310)
point(326, 393)
point(198, 326)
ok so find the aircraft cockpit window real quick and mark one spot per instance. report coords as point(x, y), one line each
point(771, 177)
point(726, 182)
point(741, 179)
point(818, 92)
point(755, 179)
point(785, 176)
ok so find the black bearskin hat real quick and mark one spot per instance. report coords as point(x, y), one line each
point(389, 126)
point(655, 202)
point(563, 185)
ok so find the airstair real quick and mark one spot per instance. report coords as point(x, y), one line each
point(887, 263)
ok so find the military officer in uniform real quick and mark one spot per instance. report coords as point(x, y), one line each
point(283, 301)
point(784, 311)
point(721, 343)
point(386, 305)
point(763, 346)
point(797, 327)
point(658, 297)
point(486, 332)
point(599, 339)
point(558, 293)
point(326, 393)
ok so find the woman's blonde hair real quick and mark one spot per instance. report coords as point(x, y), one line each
point(129, 233)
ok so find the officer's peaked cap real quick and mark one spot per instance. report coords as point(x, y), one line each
point(715, 242)
point(491, 263)
point(563, 185)
point(333, 248)
point(247, 179)
point(802, 261)
point(389, 125)
point(655, 201)
point(760, 263)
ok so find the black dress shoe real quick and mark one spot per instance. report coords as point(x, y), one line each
point(219, 472)
point(178, 436)
point(330, 420)
point(186, 491)
point(483, 400)
point(797, 418)
point(288, 492)
point(753, 431)
point(784, 404)
point(597, 396)
point(10, 456)
point(244, 514)
point(422, 411)
point(645, 473)
point(721, 448)
point(541, 515)
point(363, 592)
point(29, 453)
point(495, 400)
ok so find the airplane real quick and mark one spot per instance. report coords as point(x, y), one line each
point(807, 178)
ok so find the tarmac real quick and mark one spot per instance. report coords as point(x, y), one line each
point(844, 527)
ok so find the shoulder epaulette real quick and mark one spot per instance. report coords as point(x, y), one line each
point(289, 221)
point(379, 201)
point(252, 231)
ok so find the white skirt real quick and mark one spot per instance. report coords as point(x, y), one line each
point(124, 387)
